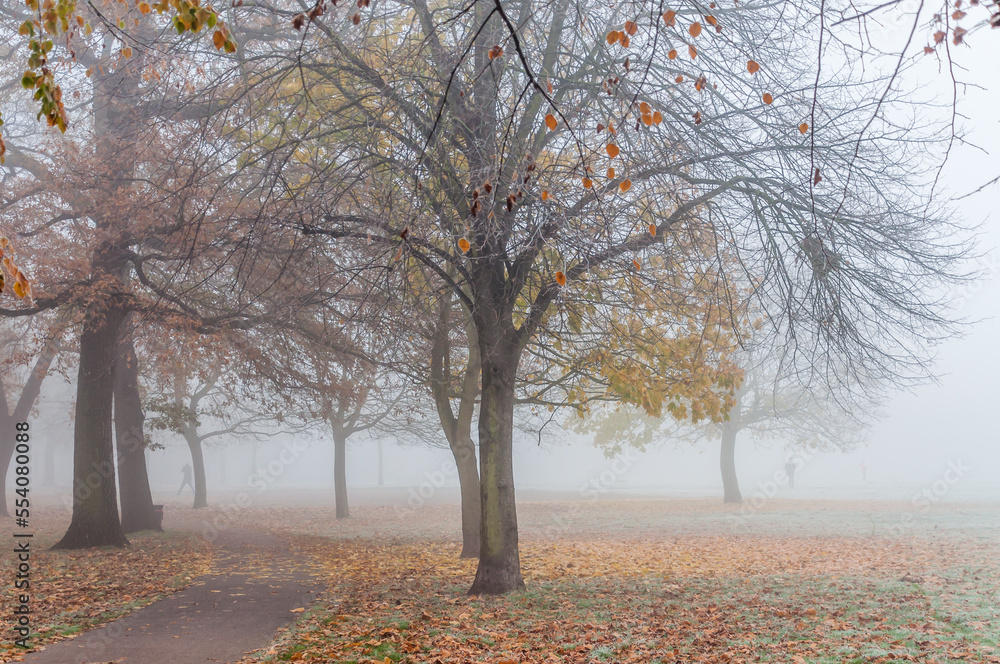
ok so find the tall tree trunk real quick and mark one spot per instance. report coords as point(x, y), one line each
point(499, 568)
point(730, 484)
point(468, 479)
point(133, 480)
point(198, 463)
point(22, 407)
point(458, 428)
point(7, 441)
point(95, 507)
point(340, 474)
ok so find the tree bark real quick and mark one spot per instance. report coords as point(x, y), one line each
point(133, 479)
point(340, 474)
point(730, 483)
point(464, 452)
point(198, 463)
point(95, 507)
point(458, 428)
point(8, 420)
point(499, 568)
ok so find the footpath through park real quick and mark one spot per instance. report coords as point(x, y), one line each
point(252, 589)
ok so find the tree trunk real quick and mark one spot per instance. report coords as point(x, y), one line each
point(7, 442)
point(22, 407)
point(133, 480)
point(468, 479)
point(499, 568)
point(95, 507)
point(198, 462)
point(730, 484)
point(340, 474)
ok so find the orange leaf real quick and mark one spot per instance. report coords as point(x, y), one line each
point(464, 245)
point(219, 39)
point(657, 117)
point(695, 29)
point(652, 230)
point(144, 7)
point(804, 127)
point(631, 28)
point(550, 121)
point(611, 173)
point(669, 17)
point(625, 185)
point(587, 183)
point(647, 119)
point(495, 52)
point(693, 51)
point(560, 278)
point(545, 195)
point(679, 79)
point(613, 150)
point(644, 108)
point(636, 264)
point(768, 98)
point(613, 36)
point(672, 54)
point(752, 66)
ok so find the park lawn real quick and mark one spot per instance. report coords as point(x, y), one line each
point(732, 598)
point(74, 591)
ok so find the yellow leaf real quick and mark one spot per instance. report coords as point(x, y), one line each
point(219, 39)
point(144, 7)
point(126, 52)
point(464, 245)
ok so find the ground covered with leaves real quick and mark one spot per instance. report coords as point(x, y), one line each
point(74, 591)
point(693, 585)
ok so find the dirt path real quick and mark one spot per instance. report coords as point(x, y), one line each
point(254, 585)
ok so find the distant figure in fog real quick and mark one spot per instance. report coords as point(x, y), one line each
point(187, 478)
point(790, 471)
point(864, 472)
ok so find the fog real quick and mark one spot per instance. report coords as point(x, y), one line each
point(926, 430)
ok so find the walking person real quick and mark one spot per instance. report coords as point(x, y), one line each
point(790, 471)
point(187, 481)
